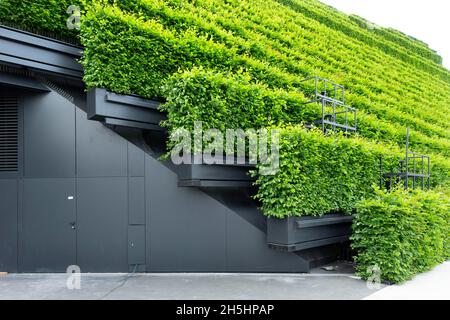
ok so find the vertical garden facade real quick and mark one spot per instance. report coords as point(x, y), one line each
point(92, 90)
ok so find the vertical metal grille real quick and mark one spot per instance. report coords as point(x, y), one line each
point(9, 134)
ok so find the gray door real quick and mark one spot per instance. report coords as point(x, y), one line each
point(102, 224)
point(48, 237)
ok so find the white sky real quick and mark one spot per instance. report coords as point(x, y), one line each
point(428, 20)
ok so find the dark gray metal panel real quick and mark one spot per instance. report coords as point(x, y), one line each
point(22, 82)
point(100, 151)
point(297, 233)
point(36, 40)
point(49, 136)
point(17, 93)
point(299, 246)
point(214, 183)
point(329, 219)
point(43, 54)
point(8, 225)
point(135, 101)
point(102, 224)
point(136, 245)
point(185, 227)
point(241, 202)
point(212, 172)
point(136, 162)
point(278, 230)
point(48, 239)
point(132, 124)
point(33, 65)
point(136, 202)
point(247, 250)
point(103, 104)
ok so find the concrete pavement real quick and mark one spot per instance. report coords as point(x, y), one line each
point(431, 285)
point(319, 284)
point(340, 283)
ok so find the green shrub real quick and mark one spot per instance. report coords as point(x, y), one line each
point(230, 101)
point(205, 19)
point(136, 46)
point(238, 64)
point(320, 174)
point(226, 100)
point(46, 17)
point(390, 43)
point(402, 233)
point(408, 42)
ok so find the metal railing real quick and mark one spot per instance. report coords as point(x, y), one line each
point(327, 89)
point(335, 113)
point(414, 169)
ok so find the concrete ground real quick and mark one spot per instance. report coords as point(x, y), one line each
point(431, 285)
point(338, 283)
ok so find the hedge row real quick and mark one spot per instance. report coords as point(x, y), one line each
point(45, 17)
point(50, 15)
point(262, 48)
point(209, 19)
point(348, 62)
point(119, 46)
point(408, 42)
point(339, 22)
point(321, 174)
point(226, 100)
point(401, 233)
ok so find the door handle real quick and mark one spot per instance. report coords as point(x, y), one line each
point(73, 225)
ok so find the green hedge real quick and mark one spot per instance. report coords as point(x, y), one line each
point(228, 101)
point(320, 174)
point(401, 233)
point(253, 54)
point(380, 38)
point(208, 20)
point(400, 38)
point(120, 48)
point(46, 17)
point(164, 36)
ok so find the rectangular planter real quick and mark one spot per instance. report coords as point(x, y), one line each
point(123, 110)
point(39, 53)
point(300, 233)
point(215, 175)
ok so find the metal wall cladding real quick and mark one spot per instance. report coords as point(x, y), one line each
point(89, 197)
point(102, 224)
point(186, 228)
point(9, 134)
point(49, 136)
point(47, 237)
point(100, 151)
point(136, 203)
point(136, 245)
point(8, 224)
point(136, 161)
point(189, 230)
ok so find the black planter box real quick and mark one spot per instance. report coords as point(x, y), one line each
point(18, 47)
point(300, 233)
point(124, 110)
point(214, 175)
